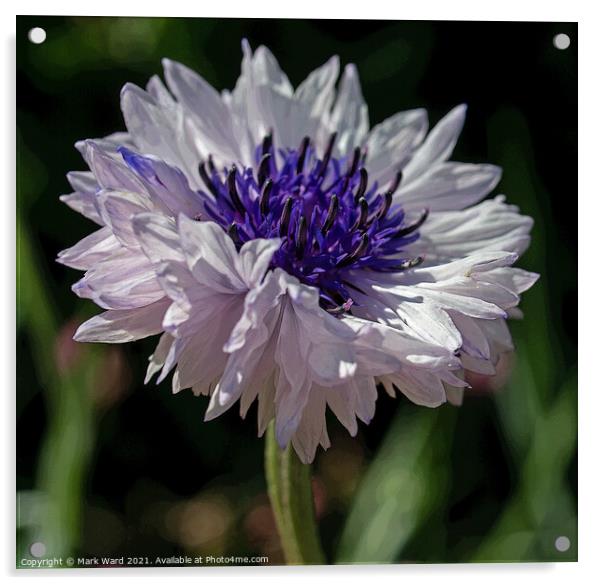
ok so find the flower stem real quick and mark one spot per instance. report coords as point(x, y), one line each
point(289, 487)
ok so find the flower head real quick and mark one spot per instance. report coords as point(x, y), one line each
point(287, 253)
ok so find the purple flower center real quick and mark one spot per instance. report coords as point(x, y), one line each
point(330, 217)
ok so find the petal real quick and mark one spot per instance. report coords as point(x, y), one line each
point(312, 427)
point(123, 326)
point(167, 185)
point(92, 249)
point(349, 116)
point(108, 144)
point(449, 186)
point(254, 259)
point(211, 255)
point(513, 279)
point(158, 237)
point(83, 200)
point(118, 208)
point(163, 131)
point(262, 99)
point(392, 142)
point(491, 225)
point(313, 100)
point(201, 358)
point(258, 303)
point(156, 88)
point(266, 71)
point(474, 341)
point(124, 280)
point(421, 387)
point(438, 145)
point(110, 170)
point(317, 91)
point(157, 360)
point(211, 114)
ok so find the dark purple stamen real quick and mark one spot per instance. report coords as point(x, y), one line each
point(328, 215)
point(301, 237)
point(266, 144)
point(231, 180)
point(233, 232)
point(210, 164)
point(413, 227)
point(361, 190)
point(285, 217)
point(363, 216)
point(264, 201)
point(327, 155)
point(331, 215)
point(354, 162)
point(395, 182)
point(385, 206)
point(264, 168)
point(302, 154)
point(207, 180)
point(356, 254)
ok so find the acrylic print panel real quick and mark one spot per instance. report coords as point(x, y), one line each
point(341, 262)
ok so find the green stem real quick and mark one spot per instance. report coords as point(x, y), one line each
point(289, 487)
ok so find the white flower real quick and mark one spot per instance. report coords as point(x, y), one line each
point(287, 253)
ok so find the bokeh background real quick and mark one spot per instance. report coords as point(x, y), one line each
point(106, 466)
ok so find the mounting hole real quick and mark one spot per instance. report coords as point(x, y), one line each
point(37, 35)
point(562, 544)
point(562, 41)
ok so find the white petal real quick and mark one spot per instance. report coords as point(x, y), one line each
point(513, 279)
point(438, 145)
point(110, 170)
point(262, 100)
point(421, 387)
point(158, 237)
point(266, 71)
point(449, 186)
point(167, 185)
point(258, 303)
point(424, 320)
point(124, 280)
point(491, 225)
point(211, 255)
point(290, 403)
point(163, 131)
point(156, 88)
point(474, 341)
point(83, 200)
point(118, 208)
point(392, 142)
point(314, 97)
point(201, 358)
point(454, 396)
point(312, 427)
point(251, 345)
point(211, 114)
point(341, 400)
point(108, 144)
point(480, 366)
point(479, 262)
point(92, 249)
point(349, 116)
point(254, 259)
point(123, 326)
point(157, 360)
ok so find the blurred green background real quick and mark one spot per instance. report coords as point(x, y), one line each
point(106, 466)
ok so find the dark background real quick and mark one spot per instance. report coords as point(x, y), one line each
point(107, 466)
